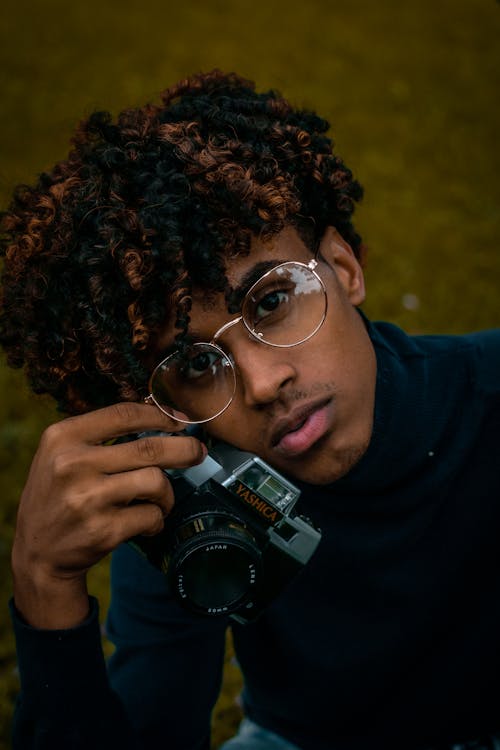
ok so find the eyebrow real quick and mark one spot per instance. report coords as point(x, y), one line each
point(237, 293)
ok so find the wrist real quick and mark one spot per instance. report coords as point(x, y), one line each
point(48, 602)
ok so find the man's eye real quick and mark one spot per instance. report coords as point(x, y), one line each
point(199, 365)
point(270, 303)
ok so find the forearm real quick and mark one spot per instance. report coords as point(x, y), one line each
point(65, 700)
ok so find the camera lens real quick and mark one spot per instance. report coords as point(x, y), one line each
point(215, 568)
point(218, 578)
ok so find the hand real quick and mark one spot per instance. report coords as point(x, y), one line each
point(77, 503)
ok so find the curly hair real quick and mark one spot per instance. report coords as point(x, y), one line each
point(144, 208)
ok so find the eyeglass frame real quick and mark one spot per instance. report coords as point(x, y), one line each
point(311, 266)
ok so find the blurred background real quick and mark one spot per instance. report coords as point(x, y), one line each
point(412, 92)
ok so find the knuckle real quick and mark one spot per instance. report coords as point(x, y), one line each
point(63, 464)
point(76, 503)
point(167, 495)
point(148, 449)
point(157, 478)
point(58, 432)
point(145, 481)
point(156, 521)
point(193, 450)
point(111, 539)
point(160, 487)
point(51, 435)
point(100, 535)
point(125, 412)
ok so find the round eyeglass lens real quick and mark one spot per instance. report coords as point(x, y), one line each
point(286, 306)
point(198, 381)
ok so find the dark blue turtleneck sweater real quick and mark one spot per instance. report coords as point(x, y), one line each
point(388, 639)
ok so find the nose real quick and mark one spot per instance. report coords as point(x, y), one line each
point(263, 371)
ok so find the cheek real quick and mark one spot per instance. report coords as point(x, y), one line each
point(242, 427)
point(233, 426)
point(343, 345)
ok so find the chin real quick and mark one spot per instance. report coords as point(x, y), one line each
point(325, 467)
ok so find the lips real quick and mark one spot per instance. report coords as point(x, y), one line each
point(301, 430)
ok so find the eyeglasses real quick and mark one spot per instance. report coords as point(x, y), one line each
point(284, 308)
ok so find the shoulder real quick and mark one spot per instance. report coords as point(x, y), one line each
point(479, 352)
point(476, 354)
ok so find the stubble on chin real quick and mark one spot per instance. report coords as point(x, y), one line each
point(329, 461)
point(342, 463)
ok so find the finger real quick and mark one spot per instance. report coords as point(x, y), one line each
point(146, 519)
point(177, 452)
point(149, 484)
point(113, 421)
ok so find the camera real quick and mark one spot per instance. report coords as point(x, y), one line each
point(233, 539)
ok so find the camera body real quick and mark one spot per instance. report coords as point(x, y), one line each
point(233, 540)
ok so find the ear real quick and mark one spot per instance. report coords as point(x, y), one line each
point(340, 257)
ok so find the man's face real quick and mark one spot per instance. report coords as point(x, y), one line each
point(308, 409)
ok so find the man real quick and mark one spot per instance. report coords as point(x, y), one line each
point(200, 255)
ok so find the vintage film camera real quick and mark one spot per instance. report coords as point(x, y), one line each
point(233, 540)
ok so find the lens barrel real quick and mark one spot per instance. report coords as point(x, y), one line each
point(215, 562)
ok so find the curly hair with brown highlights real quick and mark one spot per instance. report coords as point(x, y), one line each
point(143, 209)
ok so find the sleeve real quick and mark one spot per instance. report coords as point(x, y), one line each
point(167, 666)
point(157, 691)
point(65, 701)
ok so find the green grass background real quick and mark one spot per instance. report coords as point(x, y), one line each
point(411, 89)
